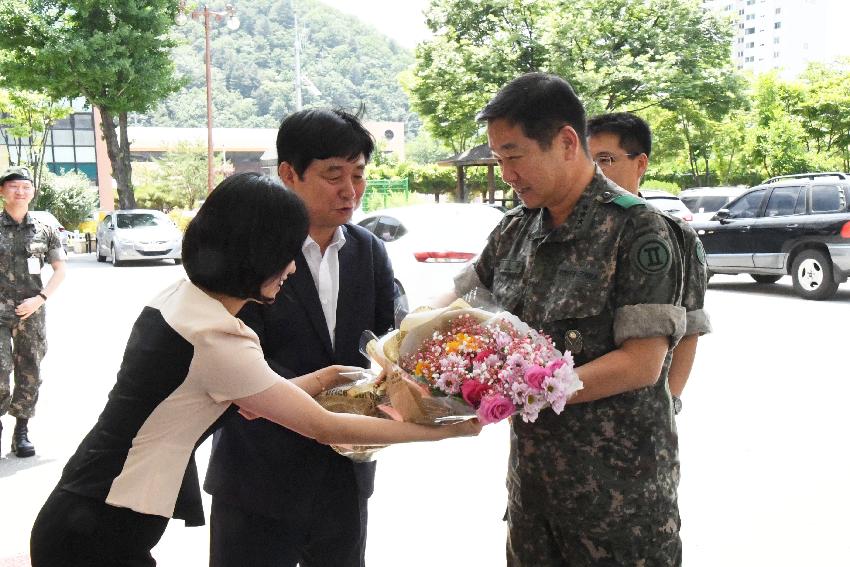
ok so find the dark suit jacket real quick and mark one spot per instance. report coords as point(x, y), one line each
point(266, 468)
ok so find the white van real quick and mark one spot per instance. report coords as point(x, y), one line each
point(705, 201)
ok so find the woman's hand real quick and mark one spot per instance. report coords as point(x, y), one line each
point(338, 375)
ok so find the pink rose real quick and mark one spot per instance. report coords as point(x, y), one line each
point(481, 356)
point(472, 391)
point(495, 408)
point(535, 375)
point(555, 364)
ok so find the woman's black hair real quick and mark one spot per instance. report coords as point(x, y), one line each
point(246, 232)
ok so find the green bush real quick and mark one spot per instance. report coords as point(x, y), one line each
point(661, 185)
point(70, 197)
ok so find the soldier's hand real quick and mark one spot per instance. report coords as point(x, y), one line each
point(29, 306)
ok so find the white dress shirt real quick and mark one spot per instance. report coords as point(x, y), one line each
point(325, 272)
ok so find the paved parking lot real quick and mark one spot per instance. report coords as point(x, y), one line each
point(762, 436)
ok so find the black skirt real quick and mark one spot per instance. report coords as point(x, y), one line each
point(73, 530)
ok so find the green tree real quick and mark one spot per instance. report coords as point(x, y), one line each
point(178, 178)
point(618, 54)
point(25, 121)
point(823, 108)
point(424, 148)
point(475, 50)
point(253, 71)
point(116, 54)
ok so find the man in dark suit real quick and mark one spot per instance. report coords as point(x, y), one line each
point(279, 498)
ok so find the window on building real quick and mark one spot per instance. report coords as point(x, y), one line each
point(71, 145)
point(779, 10)
point(749, 59)
point(751, 44)
point(777, 25)
point(775, 54)
point(750, 31)
point(775, 40)
point(751, 17)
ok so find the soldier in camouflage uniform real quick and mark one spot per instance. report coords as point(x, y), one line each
point(598, 271)
point(620, 144)
point(25, 245)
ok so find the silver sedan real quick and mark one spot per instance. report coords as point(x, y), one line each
point(138, 234)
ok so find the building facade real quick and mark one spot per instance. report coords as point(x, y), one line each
point(784, 35)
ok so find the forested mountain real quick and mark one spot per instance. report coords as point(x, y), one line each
point(253, 67)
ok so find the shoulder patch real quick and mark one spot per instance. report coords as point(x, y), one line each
point(628, 201)
point(700, 251)
point(651, 254)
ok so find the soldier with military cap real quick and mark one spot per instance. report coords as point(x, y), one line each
point(600, 272)
point(25, 245)
point(620, 143)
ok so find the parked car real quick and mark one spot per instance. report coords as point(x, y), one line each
point(51, 221)
point(429, 244)
point(793, 224)
point(667, 202)
point(703, 202)
point(138, 234)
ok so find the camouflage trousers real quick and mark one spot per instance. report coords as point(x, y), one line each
point(22, 346)
point(540, 540)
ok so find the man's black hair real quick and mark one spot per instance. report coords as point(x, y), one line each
point(318, 133)
point(541, 104)
point(246, 232)
point(635, 134)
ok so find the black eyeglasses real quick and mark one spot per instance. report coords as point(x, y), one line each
point(607, 160)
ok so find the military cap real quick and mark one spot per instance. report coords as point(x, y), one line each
point(14, 173)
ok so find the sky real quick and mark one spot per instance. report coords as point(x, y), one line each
point(402, 20)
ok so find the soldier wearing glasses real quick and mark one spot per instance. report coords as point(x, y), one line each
point(600, 272)
point(620, 144)
point(25, 245)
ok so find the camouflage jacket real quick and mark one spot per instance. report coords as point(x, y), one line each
point(695, 277)
point(611, 272)
point(18, 242)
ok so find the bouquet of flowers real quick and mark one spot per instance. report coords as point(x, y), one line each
point(494, 363)
point(456, 363)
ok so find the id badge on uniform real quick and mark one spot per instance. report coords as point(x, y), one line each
point(33, 265)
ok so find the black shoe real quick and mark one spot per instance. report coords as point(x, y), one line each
point(21, 445)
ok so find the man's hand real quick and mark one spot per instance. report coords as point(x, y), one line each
point(29, 306)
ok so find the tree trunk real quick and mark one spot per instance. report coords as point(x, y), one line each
point(119, 156)
point(37, 156)
point(691, 156)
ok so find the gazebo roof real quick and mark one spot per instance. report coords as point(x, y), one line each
point(479, 155)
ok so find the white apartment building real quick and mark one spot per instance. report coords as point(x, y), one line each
point(785, 34)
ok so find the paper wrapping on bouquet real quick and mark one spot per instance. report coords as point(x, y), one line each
point(410, 400)
point(362, 398)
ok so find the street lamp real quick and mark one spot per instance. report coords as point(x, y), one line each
point(204, 12)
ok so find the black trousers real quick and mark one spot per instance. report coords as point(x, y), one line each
point(77, 531)
point(333, 535)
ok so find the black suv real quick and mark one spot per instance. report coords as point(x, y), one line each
point(793, 224)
